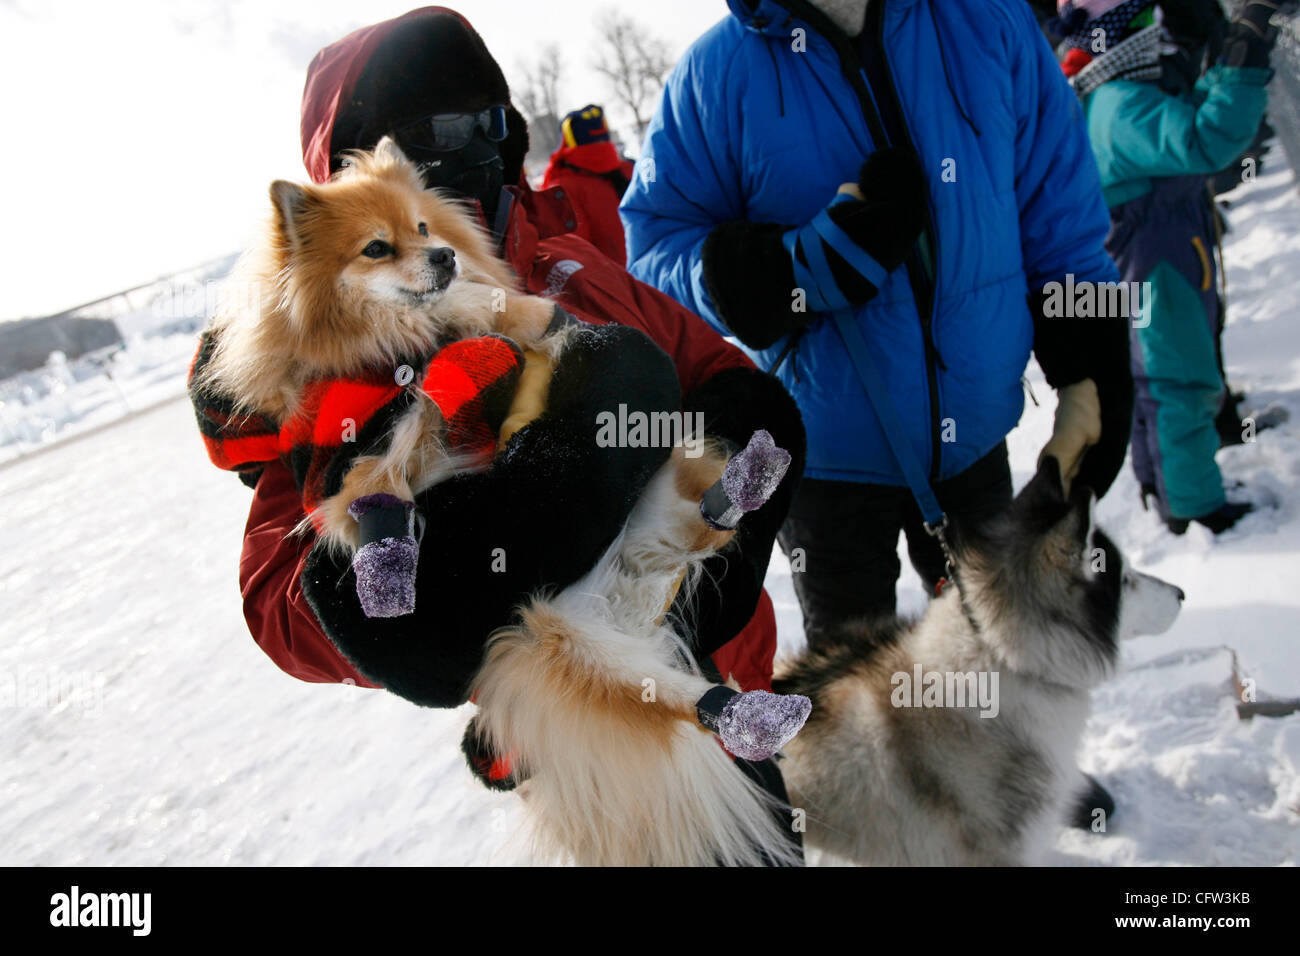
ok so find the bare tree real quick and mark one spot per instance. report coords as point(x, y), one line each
point(537, 96)
point(538, 93)
point(634, 61)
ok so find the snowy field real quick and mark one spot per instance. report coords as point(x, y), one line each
point(140, 724)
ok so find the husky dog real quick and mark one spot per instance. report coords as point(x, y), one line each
point(948, 773)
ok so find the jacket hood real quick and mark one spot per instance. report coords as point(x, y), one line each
point(594, 157)
point(772, 17)
point(386, 75)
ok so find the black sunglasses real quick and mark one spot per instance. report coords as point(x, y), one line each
point(445, 132)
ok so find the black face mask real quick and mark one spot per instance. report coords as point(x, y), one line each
point(475, 171)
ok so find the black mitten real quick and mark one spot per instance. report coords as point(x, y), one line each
point(886, 222)
point(842, 257)
point(1072, 349)
point(493, 770)
point(750, 278)
point(736, 403)
point(752, 270)
point(1191, 22)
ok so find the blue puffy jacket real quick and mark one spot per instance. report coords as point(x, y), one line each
point(759, 123)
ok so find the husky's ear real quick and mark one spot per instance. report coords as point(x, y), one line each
point(1046, 488)
point(1081, 522)
point(1041, 504)
point(1082, 503)
point(290, 202)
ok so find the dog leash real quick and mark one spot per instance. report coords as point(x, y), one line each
point(932, 513)
point(936, 520)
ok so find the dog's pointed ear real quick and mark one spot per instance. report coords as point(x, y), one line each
point(1041, 504)
point(1083, 502)
point(388, 151)
point(389, 155)
point(1047, 487)
point(290, 202)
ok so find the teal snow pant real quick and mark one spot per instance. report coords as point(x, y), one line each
point(1165, 240)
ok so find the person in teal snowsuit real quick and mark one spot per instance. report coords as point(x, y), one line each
point(1156, 141)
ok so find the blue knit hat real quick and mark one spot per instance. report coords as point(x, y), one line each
point(585, 126)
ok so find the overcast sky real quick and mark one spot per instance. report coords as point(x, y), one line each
point(139, 137)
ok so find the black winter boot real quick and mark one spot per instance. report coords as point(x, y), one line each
point(1093, 798)
point(1218, 521)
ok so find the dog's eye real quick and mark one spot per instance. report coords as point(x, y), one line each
point(377, 250)
point(424, 229)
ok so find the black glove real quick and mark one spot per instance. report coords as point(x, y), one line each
point(1191, 22)
point(750, 272)
point(493, 770)
point(1197, 29)
point(553, 501)
point(1250, 35)
point(736, 403)
point(1070, 350)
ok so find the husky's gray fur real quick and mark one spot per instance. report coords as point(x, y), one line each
point(1042, 599)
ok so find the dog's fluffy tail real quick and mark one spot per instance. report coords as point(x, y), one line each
point(601, 724)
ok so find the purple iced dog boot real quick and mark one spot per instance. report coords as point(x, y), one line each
point(754, 724)
point(385, 562)
point(747, 482)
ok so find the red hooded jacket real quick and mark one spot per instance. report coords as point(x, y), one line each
point(551, 260)
point(589, 175)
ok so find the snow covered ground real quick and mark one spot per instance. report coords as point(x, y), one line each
point(139, 723)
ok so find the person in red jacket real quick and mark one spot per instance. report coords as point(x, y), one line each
point(554, 501)
point(591, 173)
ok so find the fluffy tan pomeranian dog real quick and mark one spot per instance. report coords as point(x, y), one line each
point(599, 704)
point(356, 273)
point(353, 279)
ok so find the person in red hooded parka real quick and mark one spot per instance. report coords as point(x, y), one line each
point(589, 170)
point(553, 501)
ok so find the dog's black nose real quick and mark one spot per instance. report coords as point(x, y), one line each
point(444, 257)
point(1181, 595)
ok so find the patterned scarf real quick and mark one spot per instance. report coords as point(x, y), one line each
point(1116, 25)
point(1137, 58)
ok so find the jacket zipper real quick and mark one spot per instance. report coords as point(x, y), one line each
point(922, 272)
point(922, 262)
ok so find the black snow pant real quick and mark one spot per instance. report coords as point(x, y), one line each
point(767, 774)
point(848, 533)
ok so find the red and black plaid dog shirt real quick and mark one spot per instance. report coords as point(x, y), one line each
point(472, 381)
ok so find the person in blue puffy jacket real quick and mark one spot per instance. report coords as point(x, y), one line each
point(1158, 130)
point(919, 170)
